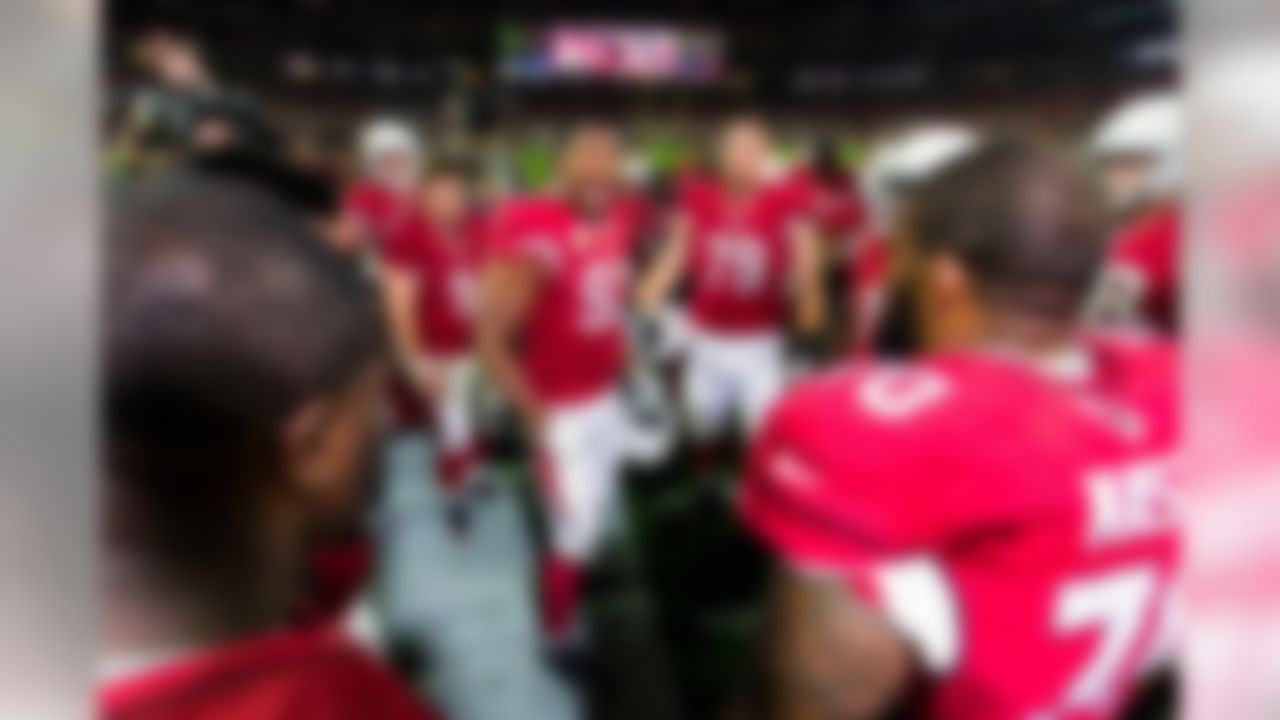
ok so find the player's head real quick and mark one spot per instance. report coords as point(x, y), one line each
point(744, 151)
point(1004, 242)
point(390, 153)
point(591, 165)
point(243, 368)
point(446, 189)
point(1138, 148)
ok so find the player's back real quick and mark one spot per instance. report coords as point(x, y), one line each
point(297, 675)
point(1012, 520)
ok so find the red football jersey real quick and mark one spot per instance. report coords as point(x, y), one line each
point(739, 256)
point(1014, 524)
point(445, 269)
point(1144, 263)
point(301, 675)
point(837, 207)
point(870, 271)
point(573, 343)
point(379, 210)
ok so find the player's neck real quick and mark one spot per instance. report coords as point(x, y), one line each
point(1026, 335)
point(142, 615)
point(587, 206)
point(157, 605)
point(740, 190)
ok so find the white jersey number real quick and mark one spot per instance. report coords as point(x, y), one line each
point(737, 263)
point(601, 298)
point(1114, 607)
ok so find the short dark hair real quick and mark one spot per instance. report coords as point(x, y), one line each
point(1026, 221)
point(223, 314)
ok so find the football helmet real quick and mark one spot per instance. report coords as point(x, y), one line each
point(382, 137)
point(1147, 127)
point(906, 160)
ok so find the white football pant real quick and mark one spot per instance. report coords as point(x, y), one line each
point(581, 456)
point(731, 381)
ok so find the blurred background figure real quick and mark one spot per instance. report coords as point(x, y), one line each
point(552, 336)
point(899, 165)
point(752, 261)
point(430, 278)
point(1139, 149)
point(383, 199)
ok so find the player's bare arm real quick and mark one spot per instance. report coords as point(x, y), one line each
point(507, 292)
point(807, 267)
point(665, 272)
point(399, 293)
point(828, 656)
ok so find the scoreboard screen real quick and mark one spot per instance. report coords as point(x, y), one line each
point(624, 53)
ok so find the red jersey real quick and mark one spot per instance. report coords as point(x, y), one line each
point(739, 256)
point(1016, 528)
point(870, 272)
point(446, 271)
point(300, 675)
point(837, 208)
point(573, 344)
point(379, 210)
point(1144, 266)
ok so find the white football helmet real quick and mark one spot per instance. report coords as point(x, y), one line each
point(381, 137)
point(1148, 127)
point(906, 160)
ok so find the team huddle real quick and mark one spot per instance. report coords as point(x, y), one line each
point(952, 377)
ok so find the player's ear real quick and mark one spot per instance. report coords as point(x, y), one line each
point(329, 449)
point(303, 440)
point(950, 307)
point(948, 279)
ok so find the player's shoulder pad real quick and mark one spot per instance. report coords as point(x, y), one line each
point(850, 447)
point(868, 402)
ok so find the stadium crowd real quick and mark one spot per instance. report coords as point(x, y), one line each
point(938, 374)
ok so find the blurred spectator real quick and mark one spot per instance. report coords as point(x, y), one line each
point(180, 110)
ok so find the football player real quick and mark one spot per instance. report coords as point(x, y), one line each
point(986, 531)
point(430, 269)
point(896, 166)
point(749, 250)
point(385, 197)
point(551, 335)
point(834, 195)
point(244, 369)
point(1138, 148)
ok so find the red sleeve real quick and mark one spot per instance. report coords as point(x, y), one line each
point(404, 247)
point(1146, 255)
point(838, 493)
point(521, 232)
point(365, 202)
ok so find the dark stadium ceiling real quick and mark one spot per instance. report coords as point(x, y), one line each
point(776, 48)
